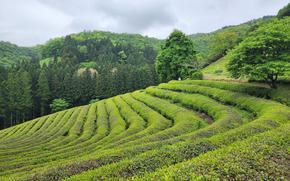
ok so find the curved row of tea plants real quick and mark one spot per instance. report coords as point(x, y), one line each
point(175, 131)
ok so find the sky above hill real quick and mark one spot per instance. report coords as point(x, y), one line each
point(31, 22)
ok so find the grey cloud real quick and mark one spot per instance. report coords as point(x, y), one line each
point(137, 17)
point(119, 16)
point(35, 21)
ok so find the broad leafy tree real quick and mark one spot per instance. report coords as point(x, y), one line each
point(175, 57)
point(265, 54)
point(59, 105)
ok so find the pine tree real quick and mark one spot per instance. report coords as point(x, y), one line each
point(43, 93)
point(88, 86)
point(70, 52)
point(25, 99)
point(2, 107)
point(12, 93)
point(3, 120)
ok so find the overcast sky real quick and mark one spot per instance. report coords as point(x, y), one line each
point(31, 22)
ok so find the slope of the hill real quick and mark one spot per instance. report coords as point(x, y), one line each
point(11, 54)
point(180, 130)
point(209, 46)
point(218, 71)
point(101, 47)
point(218, 68)
point(212, 46)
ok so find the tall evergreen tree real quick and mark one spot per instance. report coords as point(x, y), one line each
point(87, 85)
point(12, 93)
point(2, 107)
point(25, 92)
point(70, 52)
point(3, 120)
point(43, 93)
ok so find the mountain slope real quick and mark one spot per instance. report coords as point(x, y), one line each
point(213, 46)
point(98, 42)
point(218, 69)
point(196, 124)
point(11, 54)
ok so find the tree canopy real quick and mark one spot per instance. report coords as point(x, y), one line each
point(265, 54)
point(176, 57)
point(11, 54)
point(284, 11)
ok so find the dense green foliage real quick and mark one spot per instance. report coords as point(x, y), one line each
point(11, 54)
point(77, 68)
point(264, 54)
point(102, 47)
point(58, 105)
point(180, 130)
point(197, 75)
point(176, 58)
point(284, 11)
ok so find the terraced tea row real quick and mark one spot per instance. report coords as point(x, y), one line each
point(172, 126)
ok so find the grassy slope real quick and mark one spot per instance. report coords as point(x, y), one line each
point(217, 70)
point(138, 133)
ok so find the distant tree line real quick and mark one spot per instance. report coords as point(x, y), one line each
point(11, 53)
point(74, 71)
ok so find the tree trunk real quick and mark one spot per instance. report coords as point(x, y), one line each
point(272, 81)
point(11, 118)
point(274, 84)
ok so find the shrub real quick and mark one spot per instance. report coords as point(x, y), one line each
point(218, 71)
point(197, 75)
point(59, 105)
point(261, 157)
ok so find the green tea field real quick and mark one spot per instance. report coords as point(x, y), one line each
point(181, 130)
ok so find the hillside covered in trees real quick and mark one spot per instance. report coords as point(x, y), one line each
point(12, 54)
point(215, 45)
